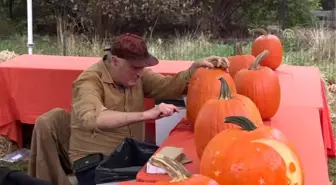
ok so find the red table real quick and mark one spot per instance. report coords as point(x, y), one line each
point(31, 85)
point(135, 183)
point(303, 87)
point(300, 125)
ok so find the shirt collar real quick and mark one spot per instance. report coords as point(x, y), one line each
point(106, 77)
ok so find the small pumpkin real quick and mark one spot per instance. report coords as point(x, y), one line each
point(271, 43)
point(261, 85)
point(204, 85)
point(179, 175)
point(209, 121)
point(239, 60)
point(251, 156)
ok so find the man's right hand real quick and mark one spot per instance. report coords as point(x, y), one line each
point(160, 111)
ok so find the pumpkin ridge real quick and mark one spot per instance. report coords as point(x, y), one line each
point(213, 133)
point(265, 94)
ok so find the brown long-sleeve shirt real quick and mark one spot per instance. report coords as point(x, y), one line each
point(94, 90)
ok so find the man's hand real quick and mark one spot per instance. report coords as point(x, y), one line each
point(210, 62)
point(160, 111)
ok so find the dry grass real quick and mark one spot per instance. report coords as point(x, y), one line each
point(315, 46)
point(6, 55)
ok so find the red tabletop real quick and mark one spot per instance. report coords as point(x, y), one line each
point(303, 87)
point(31, 85)
point(297, 85)
point(134, 183)
point(76, 63)
point(300, 125)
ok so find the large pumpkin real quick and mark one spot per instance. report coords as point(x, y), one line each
point(239, 60)
point(251, 156)
point(204, 85)
point(209, 121)
point(179, 175)
point(271, 43)
point(261, 85)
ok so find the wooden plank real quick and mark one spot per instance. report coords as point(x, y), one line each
point(323, 13)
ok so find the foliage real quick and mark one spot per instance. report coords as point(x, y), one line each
point(299, 12)
point(104, 17)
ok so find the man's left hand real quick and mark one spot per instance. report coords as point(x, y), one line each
point(210, 62)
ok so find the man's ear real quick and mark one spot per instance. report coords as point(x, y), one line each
point(111, 59)
point(114, 60)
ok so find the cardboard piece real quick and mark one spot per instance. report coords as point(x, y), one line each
point(174, 153)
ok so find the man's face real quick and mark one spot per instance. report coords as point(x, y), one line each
point(126, 74)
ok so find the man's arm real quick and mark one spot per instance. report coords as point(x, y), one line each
point(159, 86)
point(89, 110)
point(109, 119)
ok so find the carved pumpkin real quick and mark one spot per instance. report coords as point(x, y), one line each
point(271, 43)
point(209, 121)
point(240, 60)
point(204, 85)
point(179, 175)
point(261, 85)
point(251, 156)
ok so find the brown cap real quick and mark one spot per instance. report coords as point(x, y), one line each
point(133, 49)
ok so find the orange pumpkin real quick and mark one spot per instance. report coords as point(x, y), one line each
point(271, 43)
point(210, 119)
point(251, 156)
point(204, 85)
point(240, 60)
point(261, 85)
point(179, 175)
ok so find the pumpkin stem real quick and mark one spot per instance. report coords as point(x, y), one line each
point(241, 121)
point(174, 169)
point(259, 58)
point(258, 30)
point(225, 93)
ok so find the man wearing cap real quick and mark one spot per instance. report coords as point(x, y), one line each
point(108, 98)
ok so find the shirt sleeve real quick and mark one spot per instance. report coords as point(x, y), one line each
point(87, 100)
point(156, 85)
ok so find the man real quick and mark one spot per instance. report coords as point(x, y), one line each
point(108, 98)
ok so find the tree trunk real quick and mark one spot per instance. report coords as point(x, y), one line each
point(10, 9)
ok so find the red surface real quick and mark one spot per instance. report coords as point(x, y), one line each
point(327, 130)
point(75, 63)
point(303, 87)
point(300, 125)
point(31, 85)
point(300, 86)
point(135, 183)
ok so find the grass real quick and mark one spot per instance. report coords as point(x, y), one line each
point(308, 47)
point(305, 47)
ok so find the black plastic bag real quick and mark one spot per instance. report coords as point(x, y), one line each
point(125, 162)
